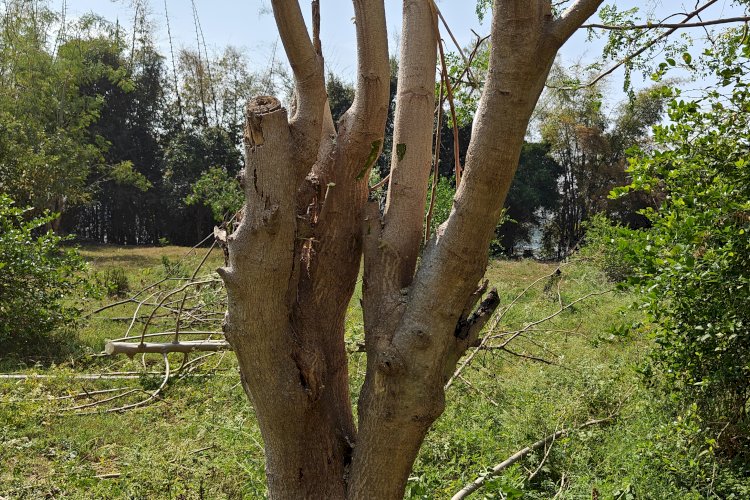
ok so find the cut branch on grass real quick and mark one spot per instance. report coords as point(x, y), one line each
point(520, 455)
point(165, 334)
point(101, 401)
point(523, 356)
point(89, 376)
point(531, 325)
point(151, 397)
point(185, 346)
point(498, 317)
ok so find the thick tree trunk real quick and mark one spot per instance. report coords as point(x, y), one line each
point(282, 374)
point(294, 259)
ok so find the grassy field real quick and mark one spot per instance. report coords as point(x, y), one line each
point(199, 438)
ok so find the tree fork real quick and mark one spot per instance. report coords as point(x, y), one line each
point(291, 273)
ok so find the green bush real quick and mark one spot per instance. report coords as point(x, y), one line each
point(36, 274)
point(115, 282)
point(694, 263)
point(606, 245)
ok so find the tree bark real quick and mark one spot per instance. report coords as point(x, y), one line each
point(294, 259)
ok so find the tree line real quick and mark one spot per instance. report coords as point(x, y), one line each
point(98, 128)
point(133, 146)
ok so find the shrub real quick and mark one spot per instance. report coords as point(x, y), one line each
point(694, 263)
point(115, 282)
point(35, 276)
point(607, 246)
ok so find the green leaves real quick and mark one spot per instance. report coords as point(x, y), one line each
point(36, 276)
point(694, 262)
point(123, 173)
point(219, 191)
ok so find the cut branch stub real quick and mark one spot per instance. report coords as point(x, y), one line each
point(256, 108)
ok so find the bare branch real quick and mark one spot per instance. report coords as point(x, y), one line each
point(316, 28)
point(624, 27)
point(412, 137)
point(370, 107)
point(524, 356)
point(307, 67)
point(650, 44)
point(520, 455)
point(381, 183)
point(186, 346)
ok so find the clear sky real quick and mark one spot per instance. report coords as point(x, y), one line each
point(249, 24)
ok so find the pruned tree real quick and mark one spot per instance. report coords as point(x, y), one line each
point(294, 259)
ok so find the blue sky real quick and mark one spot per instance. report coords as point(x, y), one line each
point(249, 24)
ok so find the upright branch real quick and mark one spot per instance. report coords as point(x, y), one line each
point(392, 244)
point(307, 67)
point(368, 112)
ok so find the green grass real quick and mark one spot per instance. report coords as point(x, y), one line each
point(200, 438)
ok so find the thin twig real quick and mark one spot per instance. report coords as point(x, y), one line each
point(626, 27)
point(436, 160)
point(381, 183)
point(475, 389)
point(140, 403)
point(449, 93)
point(101, 401)
point(547, 449)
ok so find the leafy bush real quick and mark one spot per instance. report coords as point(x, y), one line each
point(219, 191)
point(35, 276)
point(606, 244)
point(115, 282)
point(695, 261)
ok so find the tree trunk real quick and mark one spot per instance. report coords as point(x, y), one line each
point(295, 256)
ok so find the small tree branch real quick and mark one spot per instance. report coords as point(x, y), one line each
point(435, 161)
point(317, 47)
point(649, 44)
point(449, 90)
point(624, 27)
point(370, 107)
point(307, 67)
point(186, 346)
point(411, 159)
point(520, 455)
point(381, 183)
point(524, 356)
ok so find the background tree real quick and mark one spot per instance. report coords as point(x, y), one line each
point(532, 196)
point(45, 157)
point(591, 149)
